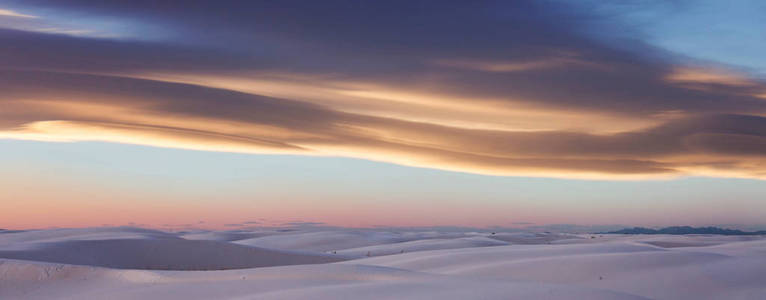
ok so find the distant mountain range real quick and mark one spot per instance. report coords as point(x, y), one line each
point(686, 230)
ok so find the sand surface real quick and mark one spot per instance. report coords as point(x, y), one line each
point(326, 263)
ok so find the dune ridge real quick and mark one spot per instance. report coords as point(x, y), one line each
point(128, 263)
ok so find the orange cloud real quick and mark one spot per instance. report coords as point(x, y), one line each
point(163, 114)
point(518, 66)
point(10, 13)
point(709, 76)
point(434, 107)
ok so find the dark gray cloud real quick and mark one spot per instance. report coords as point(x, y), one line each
point(522, 64)
point(394, 43)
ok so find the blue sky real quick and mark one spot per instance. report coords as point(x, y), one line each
point(210, 179)
point(730, 33)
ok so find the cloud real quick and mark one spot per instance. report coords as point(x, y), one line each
point(12, 20)
point(10, 13)
point(709, 76)
point(178, 115)
point(562, 60)
point(540, 99)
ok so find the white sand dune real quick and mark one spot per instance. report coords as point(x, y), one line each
point(528, 238)
point(322, 241)
point(132, 249)
point(33, 238)
point(340, 240)
point(626, 266)
point(437, 265)
point(227, 236)
point(330, 281)
point(695, 240)
point(421, 245)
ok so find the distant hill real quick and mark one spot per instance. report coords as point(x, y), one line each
point(686, 230)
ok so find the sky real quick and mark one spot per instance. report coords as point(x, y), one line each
point(227, 114)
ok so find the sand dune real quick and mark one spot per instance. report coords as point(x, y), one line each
point(322, 241)
point(33, 238)
point(330, 281)
point(528, 238)
point(145, 250)
point(421, 245)
point(227, 236)
point(436, 265)
point(349, 241)
point(626, 266)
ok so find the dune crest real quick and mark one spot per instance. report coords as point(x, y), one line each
point(127, 263)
